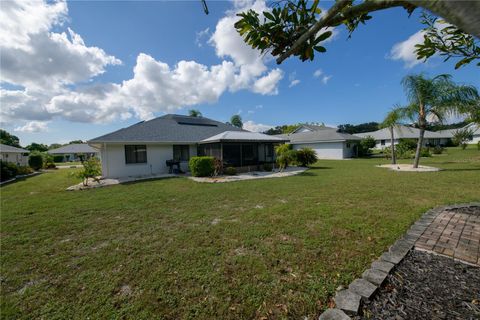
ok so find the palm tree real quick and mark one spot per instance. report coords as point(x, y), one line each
point(236, 121)
point(435, 98)
point(194, 113)
point(391, 121)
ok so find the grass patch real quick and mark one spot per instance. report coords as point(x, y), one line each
point(177, 249)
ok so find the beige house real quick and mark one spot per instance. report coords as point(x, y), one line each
point(14, 155)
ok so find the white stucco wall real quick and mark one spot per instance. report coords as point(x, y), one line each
point(379, 146)
point(325, 150)
point(14, 157)
point(114, 165)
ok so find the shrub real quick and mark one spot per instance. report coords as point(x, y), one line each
point(58, 158)
point(478, 145)
point(267, 167)
point(201, 166)
point(425, 152)
point(35, 161)
point(8, 170)
point(48, 162)
point(306, 156)
point(230, 171)
point(407, 144)
point(285, 155)
point(91, 169)
point(437, 150)
point(22, 170)
point(365, 145)
point(462, 136)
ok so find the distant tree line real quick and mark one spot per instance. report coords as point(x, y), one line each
point(358, 128)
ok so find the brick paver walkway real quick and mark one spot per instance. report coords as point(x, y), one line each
point(455, 234)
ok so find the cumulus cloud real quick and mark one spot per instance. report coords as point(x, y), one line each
point(255, 127)
point(405, 50)
point(32, 126)
point(36, 58)
point(54, 72)
point(268, 83)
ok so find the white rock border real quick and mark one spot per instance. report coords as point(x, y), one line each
point(403, 167)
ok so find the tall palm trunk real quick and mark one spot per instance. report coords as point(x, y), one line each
point(419, 148)
point(392, 146)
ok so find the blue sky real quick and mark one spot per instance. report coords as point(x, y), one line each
point(357, 80)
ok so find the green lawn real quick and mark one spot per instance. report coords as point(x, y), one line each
point(68, 163)
point(176, 249)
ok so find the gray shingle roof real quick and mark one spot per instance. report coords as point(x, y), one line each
point(9, 149)
point(73, 148)
point(402, 132)
point(324, 135)
point(243, 136)
point(168, 128)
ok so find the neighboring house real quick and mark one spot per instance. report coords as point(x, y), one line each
point(144, 148)
point(15, 155)
point(471, 126)
point(327, 142)
point(382, 136)
point(74, 152)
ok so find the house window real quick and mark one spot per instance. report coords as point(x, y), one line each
point(382, 142)
point(269, 150)
point(348, 145)
point(181, 152)
point(135, 154)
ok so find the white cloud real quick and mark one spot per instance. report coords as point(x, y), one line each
point(40, 59)
point(250, 62)
point(325, 79)
point(268, 83)
point(33, 126)
point(405, 50)
point(200, 36)
point(55, 70)
point(292, 77)
point(255, 127)
point(318, 73)
point(293, 83)
point(22, 19)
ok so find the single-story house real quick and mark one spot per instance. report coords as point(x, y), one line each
point(148, 147)
point(475, 128)
point(382, 136)
point(74, 152)
point(15, 155)
point(327, 142)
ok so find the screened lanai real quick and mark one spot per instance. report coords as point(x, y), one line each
point(240, 148)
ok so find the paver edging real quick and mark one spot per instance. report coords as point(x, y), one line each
point(387, 262)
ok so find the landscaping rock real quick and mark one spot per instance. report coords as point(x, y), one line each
point(348, 301)
point(382, 265)
point(363, 288)
point(374, 276)
point(334, 314)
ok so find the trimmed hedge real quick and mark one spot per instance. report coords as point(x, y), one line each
point(202, 166)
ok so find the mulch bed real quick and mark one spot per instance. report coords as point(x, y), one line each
point(474, 210)
point(427, 286)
